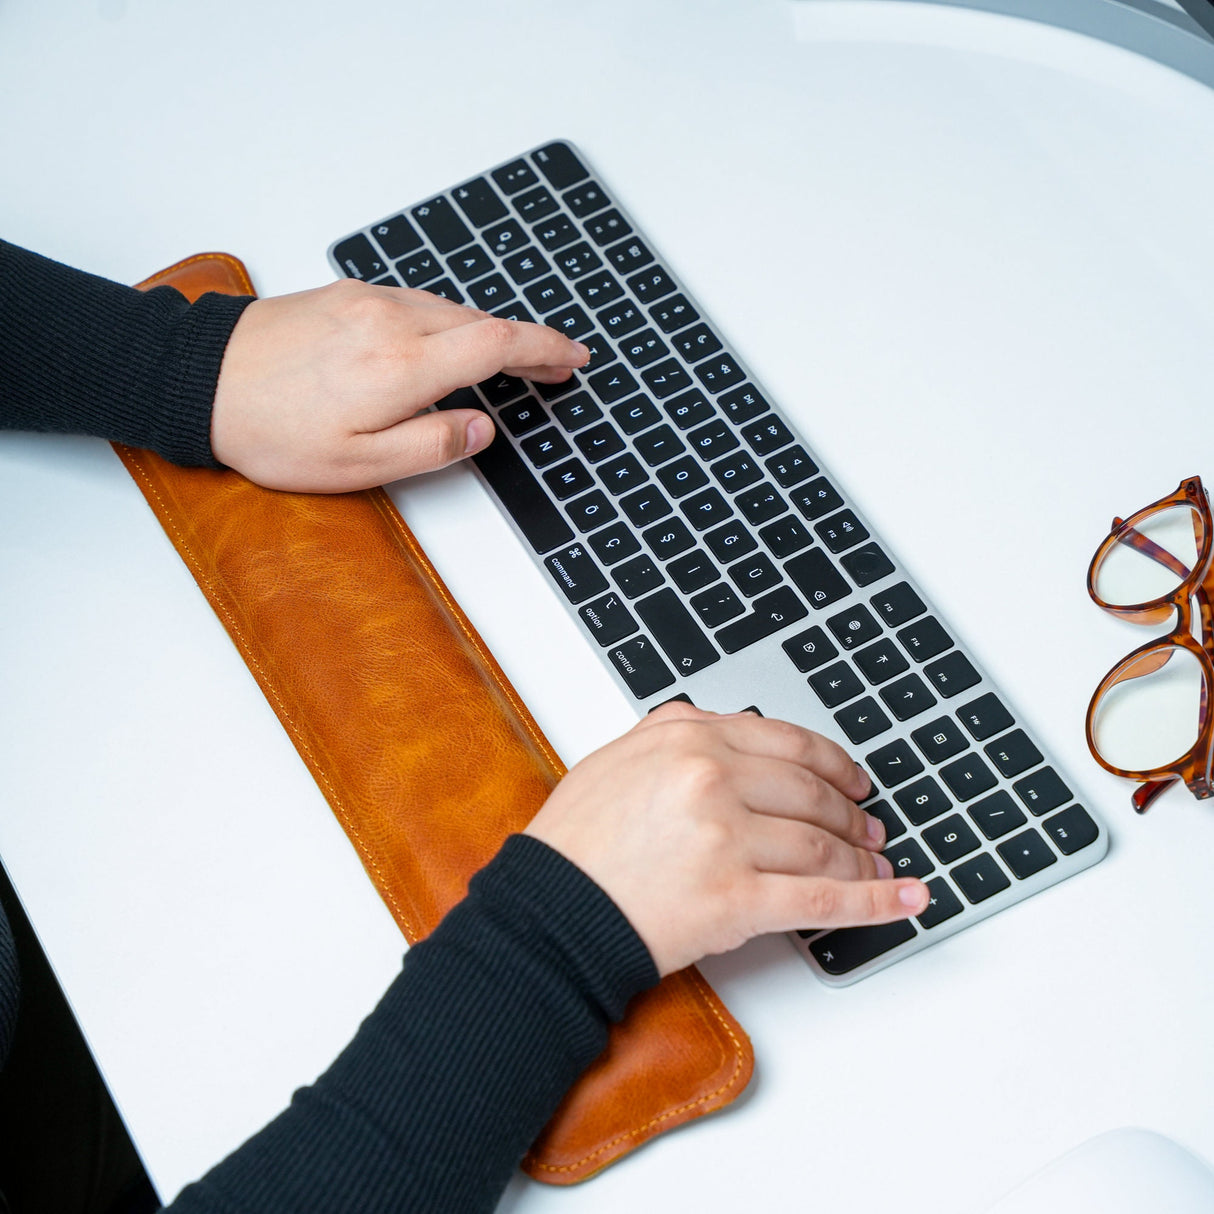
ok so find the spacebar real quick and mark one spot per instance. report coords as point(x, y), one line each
point(520, 493)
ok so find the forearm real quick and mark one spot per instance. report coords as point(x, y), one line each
point(82, 355)
point(451, 1078)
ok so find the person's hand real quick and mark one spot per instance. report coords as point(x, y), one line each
point(707, 830)
point(323, 391)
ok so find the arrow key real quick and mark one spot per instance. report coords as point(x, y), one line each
point(862, 720)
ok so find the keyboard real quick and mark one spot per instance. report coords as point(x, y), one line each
point(706, 553)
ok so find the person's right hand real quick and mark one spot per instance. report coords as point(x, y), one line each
point(706, 830)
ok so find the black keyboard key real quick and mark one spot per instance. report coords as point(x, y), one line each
point(997, 815)
point(849, 948)
point(586, 199)
point(939, 739)
point(521, 496)
point(817, 579)
point(786, 536)
point(741, 404)
point(651, 285)
point(771, 613)
point(575, 572)
point(697, 342)
point(571, 321)
point(767, 435)
point(1072, 830)
point(629, 255)
point(545, 448)
point(489, 293)
point(689, 409)
point(717, 606)
point(731, 541)
point(666, 379)
point(646, 505)
point(674, 629)
point(867, 565)
point(713, 440)
point(908, 697)
point(568, 479)
point(614, 543)
point(1026, 853)
point(854, 626)
point(535, 205)
point(754, 574)
point(908, 859)
point(577, 412)
point(608, 620)
point(980, 878)
point(836, 684)
point(612, 384)
point(635, 415)
point(736, 471)
point(951, 839)
point(942, 905)
point(643, 348)
point(791, 467)
point(638, 576)
point(862, 721)
point(810, 649)
point(526, 266)
point(881, 662)
point(560, 165)
point(397, 237)
point(441, 222)
point(521, 418)
point(359, 258)
point(514, 177)
point(985, 717)
point(446, 289)
point(760, 503)
point(1013, 753)
point(952, 674)
point(599, 442)
point(897, 605)
point(577, 261)
point(816, 499)
point(1042, 791)
point(894, 764)
point(706, 509)
point(547, 294)
point(480, 202)
point(659, 445)
point(420, 269)
point(968, 777)
point(925, 639)
point(641, 666)
point(621, 318)
point(608, 226)
point(622, 474)
point(842, 531)
point(693, 572)
point(719, 372)
point(894, 826)
point(922, 801)
point(506, 237)
point(502, 388)
point(592, 511)
point(555, 232)
point(597, 290)
point(669, 538)
point(682, 477)
point(673, 314)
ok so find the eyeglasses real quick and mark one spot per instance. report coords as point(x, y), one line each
point(1150, 718)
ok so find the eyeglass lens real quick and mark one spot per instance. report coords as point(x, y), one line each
point(1152, 559)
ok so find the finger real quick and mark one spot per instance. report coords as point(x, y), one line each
point(424, 443)
point(781, 903)
point(778, 845)
point(788, 790)
point(541, 375)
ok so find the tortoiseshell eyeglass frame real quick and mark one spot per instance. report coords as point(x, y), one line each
point(1196, 586)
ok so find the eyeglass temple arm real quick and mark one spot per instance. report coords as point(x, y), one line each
point(1134, 538)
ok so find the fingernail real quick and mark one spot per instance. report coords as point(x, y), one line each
point(867, 781)
point(478, 435)
point(583, 352)
point(885, 869)
point(914, 895)
point(876, 831)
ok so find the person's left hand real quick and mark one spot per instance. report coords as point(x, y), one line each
point(324, 391)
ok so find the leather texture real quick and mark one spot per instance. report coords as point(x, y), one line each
point(419, 743)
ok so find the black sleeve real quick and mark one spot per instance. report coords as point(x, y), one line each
point(82, 355)
point(451, 1078)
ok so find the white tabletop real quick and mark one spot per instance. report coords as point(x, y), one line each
point(970, 255)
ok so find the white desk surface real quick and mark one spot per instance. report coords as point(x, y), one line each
point(972, 256)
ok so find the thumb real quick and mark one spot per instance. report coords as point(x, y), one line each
point(430, 441)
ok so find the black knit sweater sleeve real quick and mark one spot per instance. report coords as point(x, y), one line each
point(82, 355)
point(450, 1079)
